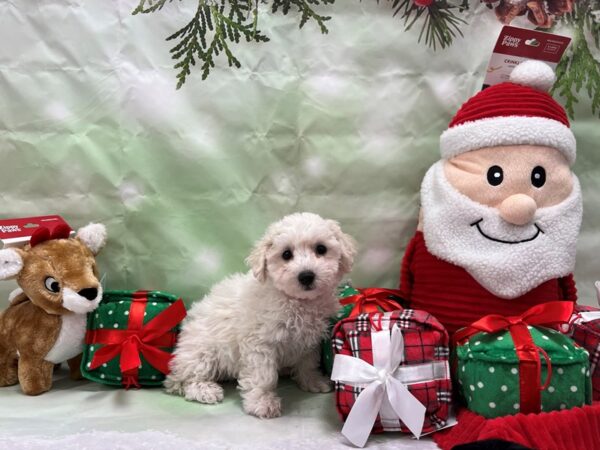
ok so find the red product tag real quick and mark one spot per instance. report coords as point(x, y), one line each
point(515, 45)
point(17, 232)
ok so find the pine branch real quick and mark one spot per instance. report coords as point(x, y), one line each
point(214, 27)
point(578, 68)
point(151, 6)
point(440, 25)
point(217, 24)
point(304, 8)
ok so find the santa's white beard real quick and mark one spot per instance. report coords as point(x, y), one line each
point(509, 260)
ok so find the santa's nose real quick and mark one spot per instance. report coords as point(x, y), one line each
point(518, 209)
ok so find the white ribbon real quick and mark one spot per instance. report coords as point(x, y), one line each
point(384, 385)
point(586, 316)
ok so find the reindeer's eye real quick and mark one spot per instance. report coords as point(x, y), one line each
point(287, 255)
point(321, 249)
point(52, 285)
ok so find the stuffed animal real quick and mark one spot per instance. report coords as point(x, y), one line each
point(45, 322)
point(501, 211)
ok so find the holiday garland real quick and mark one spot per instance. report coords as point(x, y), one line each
point(218, 25)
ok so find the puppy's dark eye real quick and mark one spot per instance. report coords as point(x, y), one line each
point(321, 249)
point(538, 176)
point(495, 175)
point(52, 285)
point(287, 255)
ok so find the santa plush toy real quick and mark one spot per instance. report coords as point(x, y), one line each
point(501, 211)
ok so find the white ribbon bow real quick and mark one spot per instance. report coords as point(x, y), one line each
point(586, 316)
point(385, 388)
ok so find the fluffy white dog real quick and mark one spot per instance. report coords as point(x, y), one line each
point(251, 326)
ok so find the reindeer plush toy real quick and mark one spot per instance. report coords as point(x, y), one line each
point(45, 322)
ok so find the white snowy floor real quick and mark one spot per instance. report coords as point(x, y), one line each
point(89, 416)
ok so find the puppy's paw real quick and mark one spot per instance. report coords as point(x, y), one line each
point(203, 391)
point(173, 386)
point(314, 383)
point(266, 406)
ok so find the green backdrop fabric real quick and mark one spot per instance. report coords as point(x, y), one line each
point(344, 125)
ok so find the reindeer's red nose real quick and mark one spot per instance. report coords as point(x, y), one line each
point(89, 293)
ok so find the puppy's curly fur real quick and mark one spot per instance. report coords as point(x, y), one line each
point(251, 326)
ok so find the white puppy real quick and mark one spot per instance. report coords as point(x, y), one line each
point(251, 326)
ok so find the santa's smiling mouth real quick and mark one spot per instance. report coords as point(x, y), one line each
point(538, 232)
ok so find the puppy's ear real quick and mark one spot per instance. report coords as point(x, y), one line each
point(347, 245)
point(11, 263)
point(93, 236)
point(257, 260)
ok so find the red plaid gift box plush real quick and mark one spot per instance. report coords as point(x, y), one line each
point(391, 373)
point(585, 331)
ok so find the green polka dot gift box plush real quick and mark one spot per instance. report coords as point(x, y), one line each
point(356, 301)
point(515, 364)
point(130, 337)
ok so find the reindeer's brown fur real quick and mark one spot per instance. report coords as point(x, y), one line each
point(32, 322)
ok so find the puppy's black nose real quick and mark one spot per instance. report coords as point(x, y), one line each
point(306, 277)
point(89, 293)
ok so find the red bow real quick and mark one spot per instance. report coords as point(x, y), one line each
point(372, 300)
point(138, 339)
point(547, 314)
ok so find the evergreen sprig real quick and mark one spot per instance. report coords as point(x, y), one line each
point(440, 24)
point(578, 68)
point(304, 8)
point(148, 6)
point(217, 24)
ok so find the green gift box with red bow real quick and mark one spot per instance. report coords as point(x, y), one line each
point(130, 338)
point(507, 365)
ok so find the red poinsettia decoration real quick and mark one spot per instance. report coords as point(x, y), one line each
point(423, 3)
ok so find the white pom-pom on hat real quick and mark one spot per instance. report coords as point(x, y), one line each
point(535, 74)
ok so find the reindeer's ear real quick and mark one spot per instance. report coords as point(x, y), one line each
point(257, 260)
point(347, 246)
point(93, 236)
point(11, 263)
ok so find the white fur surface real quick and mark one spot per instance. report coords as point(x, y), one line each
point(251, 326)
point(93, 236)
point(507, 270)
point(78, 304)
point(69, 342)
point(509, 130)
point(11, 263)
point(535, 74)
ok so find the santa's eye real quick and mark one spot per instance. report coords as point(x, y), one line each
point(287, 255)
point(495, 175)
point(52, 285)
point(538, 176)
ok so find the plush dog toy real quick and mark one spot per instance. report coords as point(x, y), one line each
point(45, 322)
point(253, 325)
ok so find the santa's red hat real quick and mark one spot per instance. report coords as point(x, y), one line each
point(516, 112)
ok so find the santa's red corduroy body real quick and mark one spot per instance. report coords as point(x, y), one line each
point(501, 211)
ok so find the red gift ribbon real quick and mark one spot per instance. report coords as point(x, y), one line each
point(546, 314)
point(138, 339)
point(372, 300)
